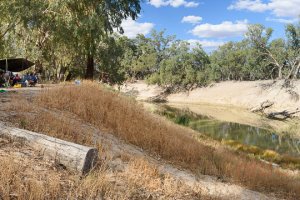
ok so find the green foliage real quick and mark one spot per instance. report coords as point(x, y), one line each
point(166, 61)
point(59, 35)
point(282, 56)
point(173, 63)
point(70, 39)
point(236, 61)
point(140, 59)
point(109, 61)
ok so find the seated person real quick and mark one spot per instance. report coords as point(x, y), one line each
point(2, 79)
point(16, 79)
point(32, 80)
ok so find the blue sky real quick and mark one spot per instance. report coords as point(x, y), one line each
point(212, 22)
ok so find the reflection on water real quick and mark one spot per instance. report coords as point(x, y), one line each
point(244, 134)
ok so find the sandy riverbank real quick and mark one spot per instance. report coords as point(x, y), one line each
point(246, 94)
point(232, 101)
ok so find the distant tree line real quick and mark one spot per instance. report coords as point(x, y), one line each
point(70, 39)
point(169, 62)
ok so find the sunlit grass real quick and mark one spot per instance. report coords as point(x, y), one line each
point(127, 119)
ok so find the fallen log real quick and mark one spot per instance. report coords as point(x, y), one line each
point(73, 156)
point(282, 115)
point(262, 106)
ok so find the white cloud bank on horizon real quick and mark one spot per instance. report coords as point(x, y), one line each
point(279, 8)
point(173, 3)
point(223, 30)
point(191, 19)
point(133, 28)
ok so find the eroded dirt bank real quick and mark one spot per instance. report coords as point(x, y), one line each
point(232, 101)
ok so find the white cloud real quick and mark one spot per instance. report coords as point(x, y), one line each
point(252, 5)
point(132, 28)
point(158, 3)
point(208, 44)
point(225, 29)
point(286, 8)
point(279, 8)
point(173, 3)
point(281, 20)
point(191, 19)
point(191, 4)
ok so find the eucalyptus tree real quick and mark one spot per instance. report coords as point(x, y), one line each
point(161, 43)
point(144, 55)
point(80, 25)
point(145, 58)
point(259, 37)
point(10, 17)
point(92, 21)
point(184, 67)
point(293, 49)
point(200, 62)
point(282, 55)
point(236, 61)
point(108, 60)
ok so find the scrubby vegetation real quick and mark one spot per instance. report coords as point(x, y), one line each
point(124, 118)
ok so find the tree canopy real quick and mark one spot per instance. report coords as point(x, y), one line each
point(63, 33)
point(79, 38)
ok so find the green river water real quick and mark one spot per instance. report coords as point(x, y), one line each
point(228, 131)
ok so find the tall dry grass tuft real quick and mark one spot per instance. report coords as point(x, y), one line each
point(128, 120)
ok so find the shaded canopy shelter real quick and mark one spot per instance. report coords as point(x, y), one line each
point(15, 64)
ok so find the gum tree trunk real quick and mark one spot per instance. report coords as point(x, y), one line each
point(90, 67)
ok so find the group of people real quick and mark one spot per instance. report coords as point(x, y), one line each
point(9, 79)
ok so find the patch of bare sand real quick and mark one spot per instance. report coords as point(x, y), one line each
point(141, 90)
point(246, 94)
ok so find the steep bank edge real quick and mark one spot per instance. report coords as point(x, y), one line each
point(233, 95)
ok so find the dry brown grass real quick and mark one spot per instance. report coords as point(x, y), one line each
point(26, 177)
point(17, 184)
point(13, 185)
point(21, 180)
point(127, 119)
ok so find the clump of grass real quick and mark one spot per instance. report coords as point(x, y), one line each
point(128, 120)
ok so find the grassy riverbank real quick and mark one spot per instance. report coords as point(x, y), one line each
point(126, 119)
